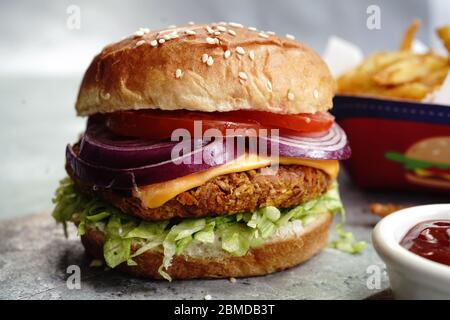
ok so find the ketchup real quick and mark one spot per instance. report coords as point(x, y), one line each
point(430, 239)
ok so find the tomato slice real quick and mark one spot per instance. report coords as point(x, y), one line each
point(303, 123)
point(156, 124)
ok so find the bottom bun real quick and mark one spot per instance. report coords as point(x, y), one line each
point(282, 251)
point(430, 182)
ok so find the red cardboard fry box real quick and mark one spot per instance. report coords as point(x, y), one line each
point(397, 145)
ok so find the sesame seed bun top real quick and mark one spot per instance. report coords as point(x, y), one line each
point(215, 67)
point(436, 150)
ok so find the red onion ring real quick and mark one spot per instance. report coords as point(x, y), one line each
point(99, 146)
point(211, 155)
point(333, 145)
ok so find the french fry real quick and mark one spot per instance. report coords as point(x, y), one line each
point(408, 91)
point(385, 209)
point(409, 35)
point(444, 34)
point(400, 74)
point(410, 69)
point(436, 78)
point(403, 71)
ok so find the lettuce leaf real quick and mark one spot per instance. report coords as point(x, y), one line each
point(116, 250)
point(206, 235)
point(178, 237)
point(127, 237)
point(148, 230)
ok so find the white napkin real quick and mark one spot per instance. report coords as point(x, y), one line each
point(419, 47)
point(341, 56)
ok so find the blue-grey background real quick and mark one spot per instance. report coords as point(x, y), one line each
point(42, 61)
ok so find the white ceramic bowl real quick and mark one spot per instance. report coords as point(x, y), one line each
point(411, 276)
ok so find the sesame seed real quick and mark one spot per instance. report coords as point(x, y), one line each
point(178, 73)
point(217, 33)
point(227, 54)
point(222, 28)
point(204, 58)
point(140, 43)
point(271, 33)
point(269, 85)
point(191, 23)
point(252, 29)
point(243, 75)
point(106, 96)
point(139, 33)
point(308, 120)
point(316, 94)
point(190, 32)
point(233, 280)
point(240, 50)
point(154, 43)
point(208, 297)
point(210, 40)
point(166, 37)
point(235, 24)
point(232, 32)
point(210, 61)
point(223, 23)
point(251, 54)
point(291, 96)
point(263, 35)
point(209, 29)
point(171, 26)
point(290, 36)
point(161, 41)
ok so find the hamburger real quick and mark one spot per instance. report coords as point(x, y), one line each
point(427, 162)
point(138, 194)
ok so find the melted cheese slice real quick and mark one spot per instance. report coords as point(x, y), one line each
point(155, 195)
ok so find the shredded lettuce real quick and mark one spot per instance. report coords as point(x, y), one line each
point(127, 237)
point(346, 241)
point(67, 202)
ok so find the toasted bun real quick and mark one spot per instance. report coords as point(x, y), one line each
point(285, 250)
point(436, 149)
point(283, 76)
point(430, 182)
